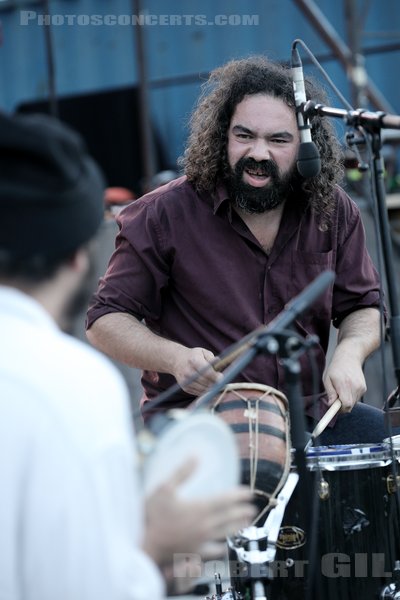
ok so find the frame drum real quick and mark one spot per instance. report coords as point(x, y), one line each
point(201, 435)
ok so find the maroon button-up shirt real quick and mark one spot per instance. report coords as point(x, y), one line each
point(189, 266)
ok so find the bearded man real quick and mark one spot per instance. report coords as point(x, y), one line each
point(217, 253)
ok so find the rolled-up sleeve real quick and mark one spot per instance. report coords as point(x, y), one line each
point(138, 269)
point(357, 283)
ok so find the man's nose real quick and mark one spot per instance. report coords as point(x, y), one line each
point(260, 150)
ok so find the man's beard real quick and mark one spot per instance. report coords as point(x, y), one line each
point(252, 199)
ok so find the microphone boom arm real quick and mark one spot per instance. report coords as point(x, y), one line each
point(355, 118)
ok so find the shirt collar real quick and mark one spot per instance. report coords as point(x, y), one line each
point(220, 197)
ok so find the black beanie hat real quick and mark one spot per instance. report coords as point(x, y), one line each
point(51, 190)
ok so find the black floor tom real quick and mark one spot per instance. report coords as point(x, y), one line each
point(354, 513)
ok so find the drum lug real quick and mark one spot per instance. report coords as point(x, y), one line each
point(392, 485)
point(323, 489)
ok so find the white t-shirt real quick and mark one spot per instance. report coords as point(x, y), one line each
point(71, 514)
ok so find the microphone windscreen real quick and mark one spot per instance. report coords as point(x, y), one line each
point(308, 160)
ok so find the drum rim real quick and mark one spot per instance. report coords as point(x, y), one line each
point(260, 387)
point(395, 440)
point(345, 457)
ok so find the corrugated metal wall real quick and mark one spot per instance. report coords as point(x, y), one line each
point(183, 38)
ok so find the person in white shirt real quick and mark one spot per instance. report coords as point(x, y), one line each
point(72, 522)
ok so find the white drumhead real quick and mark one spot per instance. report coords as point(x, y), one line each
point(210, 441)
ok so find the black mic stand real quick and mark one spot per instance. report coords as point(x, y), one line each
point(289, 348)
point(373, 123)
point(290, 360)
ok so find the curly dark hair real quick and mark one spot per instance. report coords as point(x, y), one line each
point(205, 159)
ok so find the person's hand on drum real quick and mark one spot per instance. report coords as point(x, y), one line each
point(344, 379)
point(195, 363)
point(175, 526)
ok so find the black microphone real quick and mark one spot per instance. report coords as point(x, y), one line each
point(308, 159)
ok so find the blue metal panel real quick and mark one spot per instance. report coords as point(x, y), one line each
point(88, 57)
point(182, 38)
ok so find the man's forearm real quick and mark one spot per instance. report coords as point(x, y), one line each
point(359, 336)
point(125, 339)
point(360, 332)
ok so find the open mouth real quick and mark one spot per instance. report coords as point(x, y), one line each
point(256, 175)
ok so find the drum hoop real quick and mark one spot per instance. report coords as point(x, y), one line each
point(261, 387)
point(393, 441)
point(346, 457)
point(349, 465)
point(347, 450)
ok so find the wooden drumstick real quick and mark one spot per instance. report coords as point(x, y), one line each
point(327, 418)
point(220, 363)
point(236, 350)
